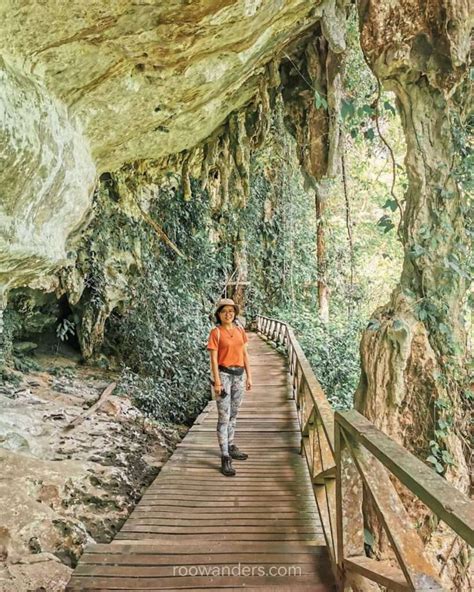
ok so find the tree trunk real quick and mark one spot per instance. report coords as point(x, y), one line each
point(413, 351)
point(323, 292)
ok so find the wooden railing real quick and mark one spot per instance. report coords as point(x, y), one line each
point(349, 458)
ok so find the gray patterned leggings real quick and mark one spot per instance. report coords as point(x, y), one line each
point(227, 409)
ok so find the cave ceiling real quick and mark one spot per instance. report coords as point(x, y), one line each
point(88, 86)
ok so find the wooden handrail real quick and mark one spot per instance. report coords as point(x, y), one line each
point(347, 456)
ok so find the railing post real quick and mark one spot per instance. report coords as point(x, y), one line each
point(340, 576)
point(294, 371)
point(349, 513)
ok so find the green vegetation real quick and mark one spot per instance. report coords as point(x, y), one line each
point(161, 337)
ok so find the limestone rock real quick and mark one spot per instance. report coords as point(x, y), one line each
point(46, 175)
point(71, 486)
point(155, 78)
point(24, 347)
point(14, 441)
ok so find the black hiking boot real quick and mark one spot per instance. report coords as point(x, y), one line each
point(236, 453)
point(226, 466)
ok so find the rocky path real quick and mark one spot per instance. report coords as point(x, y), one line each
point(73, 464)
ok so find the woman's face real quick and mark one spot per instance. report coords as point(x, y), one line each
point(227, 314)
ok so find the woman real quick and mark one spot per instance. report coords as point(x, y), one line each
point(227, 347)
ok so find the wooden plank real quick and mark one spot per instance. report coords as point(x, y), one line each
point(124, 583)
point(226, 529)
point(167, 571)
point(324, 475)
point(243, 488)
point(330, 491)
point(252, 536)
point(195, 559)
point(212, 479)
point(381, 572)
point(447, 502)
point(274, 506)
point(173, 545)
point(349, 516)
point(229, 498)
point(241, 481)
point(323, 510)
point(223, 514)
point(246, 477)
point(322, 404)
point(226, 493)
point(248, 468)
point(219, 521)
point(325, 451)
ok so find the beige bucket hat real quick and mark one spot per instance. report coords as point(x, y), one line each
point(227, 302)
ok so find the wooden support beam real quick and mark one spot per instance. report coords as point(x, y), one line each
point(405, 541)
point(323, 475)
point(381, 572)
point(447, 502)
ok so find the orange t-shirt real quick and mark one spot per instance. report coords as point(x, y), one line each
point(229, 345)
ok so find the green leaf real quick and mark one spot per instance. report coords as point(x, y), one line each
point(387, 105)
point(369, 539)
point(347, 109)
point(391, 204)
point(416, 251)
point(369, 134)
point(422, 314)
point(443, 329)
point(368, 110)
point(432, 459)
point(386, 223)
point(447, 458)
point(319, 101)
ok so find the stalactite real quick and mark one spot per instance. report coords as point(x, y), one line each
point(241, 151)
point(311, 89)
point(2, 338)
point(334, 73)
point(263, 115)
point(273, 74)
point(210, 156)
point(185, 176)
point(224, 166)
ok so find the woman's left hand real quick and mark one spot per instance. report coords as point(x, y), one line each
point(249, 384)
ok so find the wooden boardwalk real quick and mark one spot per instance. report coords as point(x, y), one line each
point(195, 529)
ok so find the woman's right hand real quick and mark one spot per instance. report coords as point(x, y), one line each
point(217, 388)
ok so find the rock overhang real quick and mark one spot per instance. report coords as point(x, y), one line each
point(129, 81)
